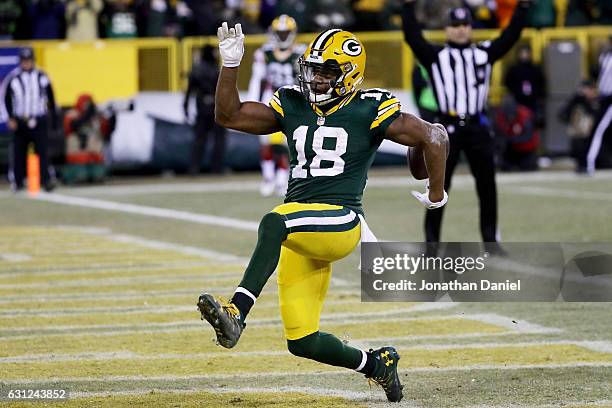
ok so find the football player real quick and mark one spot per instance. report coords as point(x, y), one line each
point(333, 131)
point(274, 66)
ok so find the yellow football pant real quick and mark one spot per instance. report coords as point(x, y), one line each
point(319, 234)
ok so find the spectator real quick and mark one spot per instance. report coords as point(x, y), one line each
point(505, 9)
point(205, 16)
point(48, 19)
point(203, 83)
point(119, 19)
point(82, 19)
point(542, 14)
point(581, 12)
point(86, 133)
point(515, 124)
point(28, 117)
point(483, 12)
point(368, 14)
point(332, 14)
point(433, 14)
point(10, 11)
point(605, 12)
point(183, 18)
point(580, 114)
point(267, 12)
point(300, 10)
point(525, 81)
point(158, 18)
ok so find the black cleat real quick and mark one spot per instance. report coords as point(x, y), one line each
point(225, 319)
point(385, 373)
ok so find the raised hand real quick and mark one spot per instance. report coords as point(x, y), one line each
point(231, 45)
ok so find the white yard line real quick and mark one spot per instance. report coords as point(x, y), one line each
point(92, 269)
point(143, 210)
point(282, 374)
point(510, 324)
point(375, 181)
point(200, 279)
point(128, 355)
point(161, 309)
point(374, 340)
point(245, 225)
point(15, 333)
point(344, 318)
point(559, 193)
point(183, 249)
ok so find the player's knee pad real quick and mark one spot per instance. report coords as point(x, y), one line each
point(272, 228)
point(307, 347)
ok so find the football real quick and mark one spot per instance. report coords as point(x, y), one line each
point(416, 160)
point(416, 163)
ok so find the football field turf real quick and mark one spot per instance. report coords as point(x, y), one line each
point(98, 287)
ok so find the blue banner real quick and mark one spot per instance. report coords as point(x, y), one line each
point(9, 60)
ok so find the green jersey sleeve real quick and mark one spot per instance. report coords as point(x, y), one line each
point(388, 108)
point(277, 106)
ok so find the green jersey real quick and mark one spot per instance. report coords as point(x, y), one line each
point(281, 72)
point(330, 153)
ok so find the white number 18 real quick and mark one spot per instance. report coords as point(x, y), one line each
point(299, 135)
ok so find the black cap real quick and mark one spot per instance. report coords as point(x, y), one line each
point(459, 16)
point(26, 54)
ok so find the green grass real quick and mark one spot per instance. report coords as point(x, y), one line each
point(72, 277)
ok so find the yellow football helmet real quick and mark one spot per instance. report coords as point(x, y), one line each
point(283, 31)
point(336, 53)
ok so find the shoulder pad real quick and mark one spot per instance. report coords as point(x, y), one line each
point(291, 88)
point(378, 95)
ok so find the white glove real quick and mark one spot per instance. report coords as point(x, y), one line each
point(231, 45)
point(424, 199)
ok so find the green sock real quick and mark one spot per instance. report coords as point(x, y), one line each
point(270, 237)
point(328, 349)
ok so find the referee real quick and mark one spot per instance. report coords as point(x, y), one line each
point(460, 71)
point(605, 98)
point(29, 102)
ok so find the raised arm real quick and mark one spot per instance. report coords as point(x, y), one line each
point(230, 112)
point(51, 106)
point(511, 34)
point(432, 139)
point(423, 50)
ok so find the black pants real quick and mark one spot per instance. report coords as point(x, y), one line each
point(204, 127)
point(24, 135)
point(478, 144)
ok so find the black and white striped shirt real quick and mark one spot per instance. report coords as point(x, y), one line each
point(460, 74)
point(28, 94)
point(605, 73)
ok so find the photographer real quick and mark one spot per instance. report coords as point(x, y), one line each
point(87, 131)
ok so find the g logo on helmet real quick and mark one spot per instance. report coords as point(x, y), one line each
point(351, 47)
